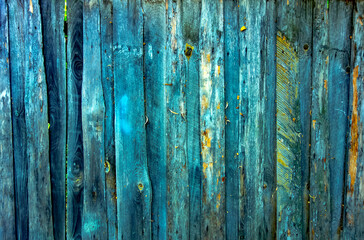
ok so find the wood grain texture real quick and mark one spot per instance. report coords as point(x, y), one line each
point(94, 223)
point(17, 75)
point(176, 123)
point(36, 119)
point(134, 189)
point(319, 196)
point(75, 156)
point(7, 218)
point(155, 39)
point(212, 119)
point(340, 27)
point(233, 118)
point(108, 91)
point(190, 21)
point(354, 211)
point(54, 51)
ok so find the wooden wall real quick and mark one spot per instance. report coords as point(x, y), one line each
point(181, 119)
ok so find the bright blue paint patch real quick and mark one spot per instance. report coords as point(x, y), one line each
point(124, 108)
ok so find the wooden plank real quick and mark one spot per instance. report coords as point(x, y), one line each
point(75, 163)
point(354, 211)
point(233, 118)
point(255, 110)
point(269, 122)
point(7, 218)
point(212, 119)
point(319, 197)
point(52, 13)
point(293, 125)
point(94, 223)
point(190, 20)
point(340, 29)
point(36, 119)
point(16, 43)
point(176, 140)
point(133, 184)
point(108, 90)
point(155, 87)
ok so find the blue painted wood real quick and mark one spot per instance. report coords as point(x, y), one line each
point(338, 85)
point(108, 90)
point(94, 222)
point(75, 157)
point(176, 123)
point(54, 51)
point(134, 191)
point(17, 71)
point(190, 21)
point(212, 119)
point(353, 215)
point(7, 218)
point(232, 118)
point(36, 119)
point(155, 86)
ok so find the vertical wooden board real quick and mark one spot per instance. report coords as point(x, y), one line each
point(36, 119)
point(108, 90)
point(133, 184)
point(52, 13)
point(319, 197)
point(340, 30)
point(354, 211)
point(16, 44)
point(293, 122)
point(7, 218)
point(94, 223)
point(212, 119)
point(251, 105)
point(190, 21)
point(269, 122)
point(75, 164)
point(155, 85)
point(232, 117)
point(176, 140)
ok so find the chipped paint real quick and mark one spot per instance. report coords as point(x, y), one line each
point(31, 6)
point(354, 131)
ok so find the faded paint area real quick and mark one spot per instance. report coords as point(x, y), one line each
point(353, 153)
point(124, 109)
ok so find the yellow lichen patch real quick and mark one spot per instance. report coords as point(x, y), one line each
point(353, 153)
point(188, 51)
point(218, 106)
point(140, 186)
point(287, 96)
point(206, 140)
point(313, 123)
point(238, 97)
point(218, 70)
point(325, 85)
point(243, 28)
point(204, 103)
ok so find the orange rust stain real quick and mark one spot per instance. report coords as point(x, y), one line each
point(208, 58)
point(218, 106)
point(353, 155)
point(223, 179)
point(313, 123)
point(218, 70)
point(218, 196)
point(206, 140)
point(238, 97)
point(325, 85)
point(289, 232)
point(204, 166)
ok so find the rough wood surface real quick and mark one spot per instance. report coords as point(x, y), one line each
point(75, 157)
point(36, 119)
point(212, 119)
point(134, 190)
point(54, 51)
point(17, 71)
point(7, 218)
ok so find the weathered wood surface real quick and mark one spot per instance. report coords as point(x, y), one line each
point(36, 119)
point(180, 119)
point(52, 13)
point(7, 200)
point(75, 155)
